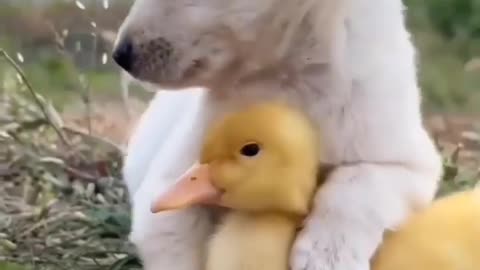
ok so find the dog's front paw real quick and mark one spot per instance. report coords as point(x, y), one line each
point(302, 254)
point(321, 246)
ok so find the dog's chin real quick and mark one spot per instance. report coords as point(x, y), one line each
point(157, 80)
point(173, 78)
point(162, 84)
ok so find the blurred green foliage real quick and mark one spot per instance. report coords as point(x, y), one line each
point(455, 18)
point(447, 35)
point(12, 266)
point(62, 51)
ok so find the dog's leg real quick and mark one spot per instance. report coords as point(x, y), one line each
point(154, 130)
point(174, 238)
point(354, 208)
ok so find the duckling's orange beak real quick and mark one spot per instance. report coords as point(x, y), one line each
point(193, 188)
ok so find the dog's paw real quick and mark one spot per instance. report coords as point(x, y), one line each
point(321, 246)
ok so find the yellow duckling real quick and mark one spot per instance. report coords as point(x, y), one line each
point(262, 163)
point(445, 236)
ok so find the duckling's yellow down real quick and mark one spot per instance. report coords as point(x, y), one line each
point(261, 163)
point(445, 236)
point(251, 242)
point(268, 193)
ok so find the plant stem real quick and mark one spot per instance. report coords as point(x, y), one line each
point(39, 103)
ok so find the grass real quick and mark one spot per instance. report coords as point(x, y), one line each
point(62, 202)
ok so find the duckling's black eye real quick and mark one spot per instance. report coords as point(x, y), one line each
point(250, 149)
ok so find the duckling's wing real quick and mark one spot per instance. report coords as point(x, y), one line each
point(169, 113)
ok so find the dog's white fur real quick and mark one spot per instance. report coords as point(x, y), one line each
point(349, 64)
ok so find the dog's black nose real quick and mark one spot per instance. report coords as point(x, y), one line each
point(123, 55)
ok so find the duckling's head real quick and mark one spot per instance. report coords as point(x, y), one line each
point(263, 158)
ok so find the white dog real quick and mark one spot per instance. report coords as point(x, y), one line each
point(349, 64)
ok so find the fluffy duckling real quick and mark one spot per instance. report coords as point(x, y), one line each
point(262, 164)
point(445, 236)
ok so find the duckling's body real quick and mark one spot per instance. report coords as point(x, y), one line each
point(445, 236)
point(251, 242)
point(261, 163)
